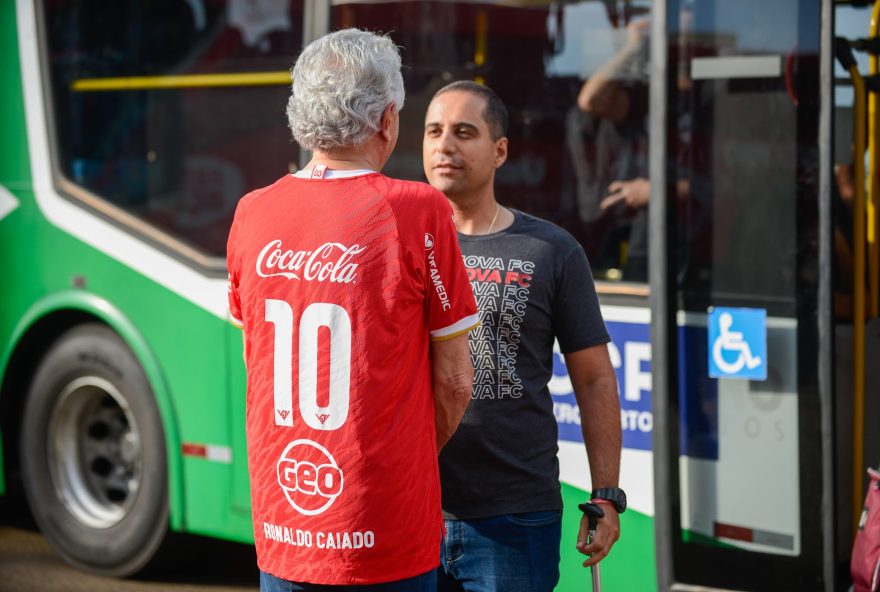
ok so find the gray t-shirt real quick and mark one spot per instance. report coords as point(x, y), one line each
point(533, 284)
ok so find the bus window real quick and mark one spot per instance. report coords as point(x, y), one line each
point(133, 129)
point(574, 78)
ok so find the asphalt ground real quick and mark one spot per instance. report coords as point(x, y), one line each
point(28, 564)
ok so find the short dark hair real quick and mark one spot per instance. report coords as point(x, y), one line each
point(495, 113)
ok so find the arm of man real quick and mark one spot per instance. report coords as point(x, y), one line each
point(601, 94)
point(603, 97)
point(595, 388)
point(453, 376)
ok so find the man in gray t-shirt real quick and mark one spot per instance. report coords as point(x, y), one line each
point(499, 472)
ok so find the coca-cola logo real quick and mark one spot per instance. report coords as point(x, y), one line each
point(329, 262)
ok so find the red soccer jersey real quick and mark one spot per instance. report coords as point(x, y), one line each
point(338, 284)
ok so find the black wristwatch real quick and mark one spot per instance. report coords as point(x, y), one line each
point(615, 495)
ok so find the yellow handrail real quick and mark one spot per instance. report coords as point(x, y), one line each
point(858, 294)
point(281, 78)
point(481, 44)
point(873, 179)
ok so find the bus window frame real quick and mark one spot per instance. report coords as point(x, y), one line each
point(626, 289)
point(212, 266)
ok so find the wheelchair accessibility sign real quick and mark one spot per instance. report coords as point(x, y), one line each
point(738, 343)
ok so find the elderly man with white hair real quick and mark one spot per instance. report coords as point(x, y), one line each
point(355, 308)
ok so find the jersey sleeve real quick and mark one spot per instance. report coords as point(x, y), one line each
point(452, 309)
point(577, 318)
point(232, 267)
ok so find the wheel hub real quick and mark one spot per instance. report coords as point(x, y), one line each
point(95, 453)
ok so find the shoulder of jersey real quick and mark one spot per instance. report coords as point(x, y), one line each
point(415, 194)
point(267, 190)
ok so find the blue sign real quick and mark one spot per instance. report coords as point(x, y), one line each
point(738, 343)
point(697, 396)
point(630, 352)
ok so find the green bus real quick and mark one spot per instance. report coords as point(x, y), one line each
point(741, 303)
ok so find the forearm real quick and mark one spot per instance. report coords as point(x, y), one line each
point(595, 389)
point(602, 88)
point(453, 376)
point(600, 425)
point(450, 403)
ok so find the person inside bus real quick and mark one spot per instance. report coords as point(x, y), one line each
point(355, 304)
point(608, 141)
point(499, 472)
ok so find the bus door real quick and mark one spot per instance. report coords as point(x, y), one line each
point(741, 334)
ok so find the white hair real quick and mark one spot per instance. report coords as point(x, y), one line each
point(342, 83)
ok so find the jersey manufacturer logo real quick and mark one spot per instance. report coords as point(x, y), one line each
point(309, 477)
point(329, 262)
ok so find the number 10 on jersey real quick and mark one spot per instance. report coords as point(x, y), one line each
point(315, 316)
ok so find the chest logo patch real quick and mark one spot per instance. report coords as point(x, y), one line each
point(309, 477)
point(330, 262)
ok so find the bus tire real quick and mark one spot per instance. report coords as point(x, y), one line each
point(93, 455)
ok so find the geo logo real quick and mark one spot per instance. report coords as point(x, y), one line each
point(309, 477)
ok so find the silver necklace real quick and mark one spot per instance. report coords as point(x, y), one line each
point(494, 218)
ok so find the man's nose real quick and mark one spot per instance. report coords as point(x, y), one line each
point(445, 143)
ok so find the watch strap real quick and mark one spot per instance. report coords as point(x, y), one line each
point(610, 495)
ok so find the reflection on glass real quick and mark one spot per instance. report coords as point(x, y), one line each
point(178, 158)
point(743, 116)
point(568, 154)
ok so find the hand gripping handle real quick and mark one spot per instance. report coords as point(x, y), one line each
point(593, 512)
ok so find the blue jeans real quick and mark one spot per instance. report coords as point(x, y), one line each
point(427, 582)
point(508, 553)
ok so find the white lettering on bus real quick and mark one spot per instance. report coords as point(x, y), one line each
point(631, 420)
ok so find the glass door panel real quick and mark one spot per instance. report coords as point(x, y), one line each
point(743, 127)
point(538, 56)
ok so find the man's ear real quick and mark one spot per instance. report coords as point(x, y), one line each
point(387, 121)
point(500, 152)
